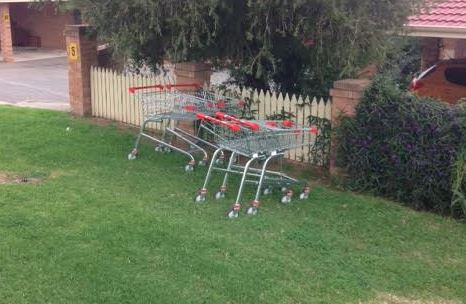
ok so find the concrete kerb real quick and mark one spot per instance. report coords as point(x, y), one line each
point(63, 107)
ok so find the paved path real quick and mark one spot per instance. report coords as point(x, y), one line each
point(37, 83)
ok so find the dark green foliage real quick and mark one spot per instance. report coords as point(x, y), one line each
point(320, 151)
point(298, 46)
point(402, 60)
point(458, 202)
point(403, 147)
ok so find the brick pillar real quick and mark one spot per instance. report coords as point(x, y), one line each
point(5, 33)
point(82, 54)
point(346, 95)
point(189, 73)
point(193, 73)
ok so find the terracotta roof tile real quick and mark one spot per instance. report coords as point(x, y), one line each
point(448, 13)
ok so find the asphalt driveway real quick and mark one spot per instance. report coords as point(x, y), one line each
point(37, 83)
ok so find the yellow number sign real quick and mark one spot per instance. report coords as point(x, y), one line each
point(73, 51)
point(6, 17)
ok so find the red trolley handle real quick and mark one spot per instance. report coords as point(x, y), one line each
point(288, 123)
point(248, 124)
point(133, 90)
point(231, 126)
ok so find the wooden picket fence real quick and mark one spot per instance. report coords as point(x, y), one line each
point(110, 96)
point(112, 100)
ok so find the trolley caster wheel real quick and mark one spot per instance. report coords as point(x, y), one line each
point(234, 211)
point(285, 199)
point(252, 211)
point(189, 168)
point(267, 191)
point(202, 162)
point(232, 214)
point(166, 149)
point(219, 195)
point(284, 189)
point(305, 193)
point(133, 154)
point(303, 196)
point(199, 198)
point(158, 148)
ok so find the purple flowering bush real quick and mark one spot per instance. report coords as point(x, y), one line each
point(403, 147)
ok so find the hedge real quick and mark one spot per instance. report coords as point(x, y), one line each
point(406, 148)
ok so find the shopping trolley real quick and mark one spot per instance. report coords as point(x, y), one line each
point(256, 141)
point(174, 103)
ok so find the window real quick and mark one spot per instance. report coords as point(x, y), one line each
point(456, 75)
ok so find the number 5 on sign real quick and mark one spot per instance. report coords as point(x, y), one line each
point(73, 51)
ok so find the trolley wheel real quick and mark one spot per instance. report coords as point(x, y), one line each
point(305, 193)
point(232, 214)
point(219, 162)
point(133, 154)
point(158, 148)
point(202, 162)
point(267, 191)
point(284, 189)
point(188, 168)
point(166, 149)
point(199, 198)
point(219, 195)
point(286, 199)
point(252, 211)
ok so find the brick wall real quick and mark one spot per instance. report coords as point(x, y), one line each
point(47, 24)
point(460, 51)
point(435, 49)
point(448, 49)
point(430, 52)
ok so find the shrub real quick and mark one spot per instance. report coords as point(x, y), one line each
point(458, 202)
point(404, 147)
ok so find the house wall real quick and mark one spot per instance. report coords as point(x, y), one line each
point(47, 24)
point(435, 49)
point(448, 49)
point(460, 51)
point(430, 52)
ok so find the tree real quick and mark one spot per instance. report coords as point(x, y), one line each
point(298, 46)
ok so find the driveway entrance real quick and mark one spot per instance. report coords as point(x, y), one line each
point(39, 83)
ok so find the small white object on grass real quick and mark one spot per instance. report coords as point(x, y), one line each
point(68, 129)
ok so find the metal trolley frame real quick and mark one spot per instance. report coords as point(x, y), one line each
point(174, 103)
point(257, 141)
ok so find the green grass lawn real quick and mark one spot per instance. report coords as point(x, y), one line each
point(102, 229)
